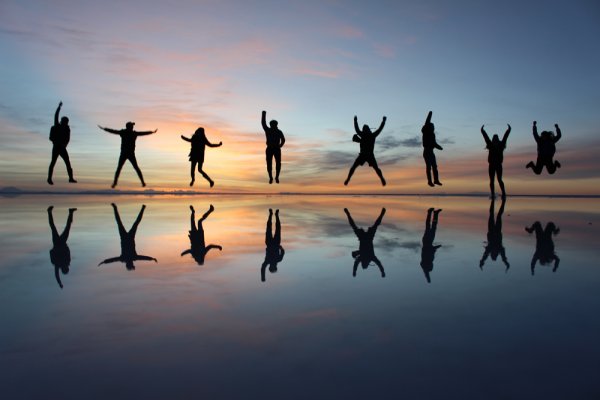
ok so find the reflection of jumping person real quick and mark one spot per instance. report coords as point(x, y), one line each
point(366, 138)
point(128, 137)
point(60, 255)
point(546, 147)
point(495, 157)
point(544, 245)
point(428, 249)
point(494, 245)
point(275, 141)
point(273, 252)
point(366, 252)
point(199, 143)
point(198, 248)
point(60, 134)
point(429, 143)
point(128, 252)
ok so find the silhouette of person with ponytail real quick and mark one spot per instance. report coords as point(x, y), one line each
point(198, 248)
point(60, 135)
point(495, 148)
point(429, 144)
point(275, 141)
point(274, 252)
point(494, 245)
point(546, 147)
point(60, 255)
point(428, 249)
point(366, 252)
point(366, 139)
point(544, 245)
point(196, 156)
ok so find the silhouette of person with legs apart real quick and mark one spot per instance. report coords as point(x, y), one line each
point(429, 144)
point(544, 245)
point(546, 147)
point(366, 139)
point(128, 251)
point(495, 148)
point(199, 143)
point(494, 245)
point(366, 252)
point(60, 135)
point(275, 141)
point(128, 138)
point(198, 248)
point(274, 252)
point(60, 255)
point(428, 249)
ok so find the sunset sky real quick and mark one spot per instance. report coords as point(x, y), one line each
point(313, 65)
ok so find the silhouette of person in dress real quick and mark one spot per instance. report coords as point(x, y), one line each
point(128, 251)
point(128, 138)
point(546, 147)
point(366, 252)
point(274, 252)
point(428, 249)
point(494, 245)
point(196, 156)
point(544, 245)
point(198, 248)
point(495, 148)
point(366, 139)
point(60, 255)
point(60, 135)
point(275, 141)
point(429, 144)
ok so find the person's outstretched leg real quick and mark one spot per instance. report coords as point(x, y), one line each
point(193, 172)
point(436, 177)
point(500, 181)
point(52, 164)
point(277, 237)
point(137, 168)
point(352, 169)
point(65, 156)
point(269, 230)
point(122, 159)
point(492, 173)
point(537, 167)
point(428, 174)
point(551, 166)
point(210, 181)
point(269, 154)
point(277, 155)
point(378, 172)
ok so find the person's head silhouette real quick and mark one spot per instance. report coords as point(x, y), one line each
point(273, 124)
point(366, 128)
point(129, 125)
point(199, 131)
point(495, 139)
point(64, 121)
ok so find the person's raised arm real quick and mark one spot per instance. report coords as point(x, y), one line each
point(536, 136)
point(144, 258)
point(428, 120)
point(56, 114)
point(110, 260)
point(116, 132)
point(378, 131)
point(351, 221)
point(505, 137)
point(144, 133)
point(213, 246)
point(263, 121)
point(556, 262)
point(356, 128)
point(485, 135)
point(186, 139)
point(209, 144)
point(437, 145)
point(558, 133)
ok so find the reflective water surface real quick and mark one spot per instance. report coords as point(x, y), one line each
point(299, 297)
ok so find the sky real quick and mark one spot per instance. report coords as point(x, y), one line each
point(312, 65)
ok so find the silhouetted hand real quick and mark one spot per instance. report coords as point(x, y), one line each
point(355, 118)
point(154, 131)
point(556, 126)
point(482, 130)
point(50, 208)
point(101, 127)
point(220, 143)
point(60, 104)
point(113, 204)
point(211, 208)
point(192, 208)
point(72, 210)
point(534, 123)
point(264, 112)
point(509, 127)
point(384, 118)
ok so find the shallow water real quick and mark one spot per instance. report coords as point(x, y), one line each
point(227, 327)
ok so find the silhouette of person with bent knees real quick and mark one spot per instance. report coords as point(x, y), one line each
point(544, 245)
point(128, 252)
point(275, 141)
point(128, 138)
point(60, 255)
point(366, 139)
point(546, 147)
point(495, 148)
point(274, 252)
point(428, 249)
point(199, 143)
point(429, 144)
point(198, 248)
point(366, 252)
point(60, 135)
point(494, 245)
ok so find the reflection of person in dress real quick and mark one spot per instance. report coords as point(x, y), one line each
point(199, 143)
point(544, 245)
point(198, 248)
point(366, 252)
point(60, 255)
point(274, 252)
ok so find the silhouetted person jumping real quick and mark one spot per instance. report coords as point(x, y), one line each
point(128, 252)
point(495, 157)
point(494, 245)
point(366, 139)
point(275, 141)
point(60, 255)
point(544, 245)
point(128, 138)
point(366, 252)
point(199, 143)
point(60, 135)
point(428, 249)
point(429, 144)
point(273, 252)
point(546, 147)
point(198, 248)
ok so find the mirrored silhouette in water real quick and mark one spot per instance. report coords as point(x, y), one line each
point(274, 252)
point(428, 249)
point(128, 251)
point(494, 245)
point(60, 135)
point(366, 252)
point(544, 245)
point(429, 144)
point(198, 248)
point(366, 139)
point(495, 148)
point(275, 141)
point(60, 255)
point(199, 141)
point(546, 147)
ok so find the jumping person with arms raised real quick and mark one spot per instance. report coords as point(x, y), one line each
point(429, 144)
point(199, 143)
point(60, 135)
point(546, 147)
point(275, 141)
point(496, 148)
point(366, 139)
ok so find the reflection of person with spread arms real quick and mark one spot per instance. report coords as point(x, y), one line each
point(128, 138)
point(60, 255)
point(366, 139)
point(275, 141)
point(495, 148)
point(544, 245)
point(128, 252)
point(494, 245)
point(546, 147)
point(60, 135)
point(199, 143)
point(429, 144)
point(365, 253)
point(428, 249)
point(273, 252)
point(198, 248)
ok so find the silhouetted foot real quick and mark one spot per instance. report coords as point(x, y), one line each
point(50, 208)
point(529, 164)
point(430, 184)
point(277, 180)
point(113, 185)
point(143, 184)
point(383, 182)
point(557, 164)
point(192, 182)
point(270, 211)
point(72, 210)
point(212, 183)
point(438, 183)
point(50, 181)
point(72, 180)
point(346, 182)
point(277, 212)
point(270, 181)
point(503, 196)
